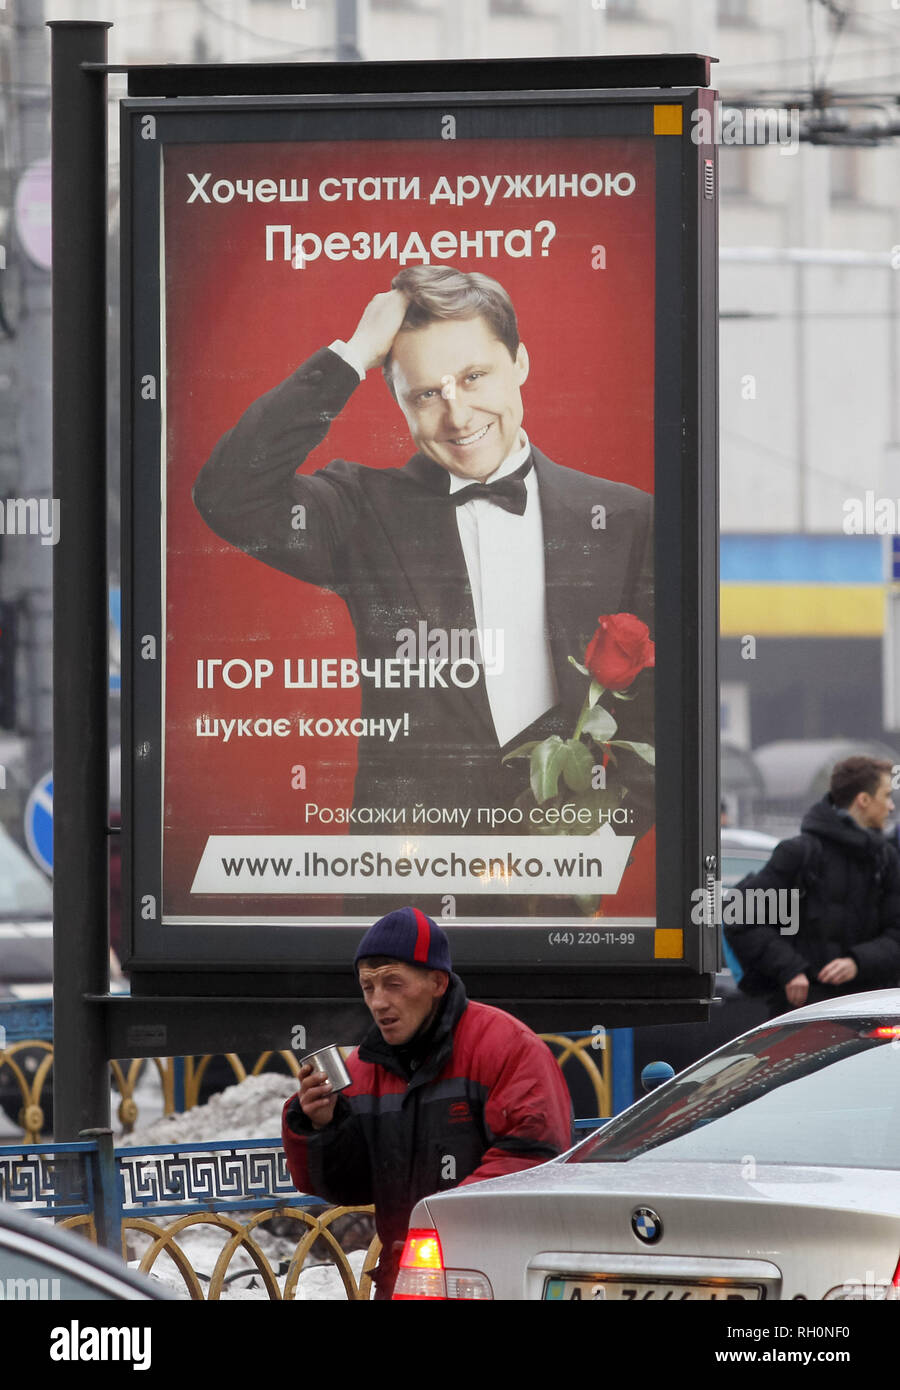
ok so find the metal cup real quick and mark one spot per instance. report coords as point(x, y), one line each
point(329, 1060)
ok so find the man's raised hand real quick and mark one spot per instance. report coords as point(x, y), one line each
point(380, 323)
point(317, 1100)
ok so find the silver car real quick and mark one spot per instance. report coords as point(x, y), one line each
point(42, 1263)
point(768, 1170)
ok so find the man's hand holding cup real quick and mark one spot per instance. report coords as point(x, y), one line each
point(317, 1096)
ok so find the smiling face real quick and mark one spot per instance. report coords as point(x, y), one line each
point(401, 997)
point(459, 389)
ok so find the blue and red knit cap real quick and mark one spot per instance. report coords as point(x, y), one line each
point(407, 934)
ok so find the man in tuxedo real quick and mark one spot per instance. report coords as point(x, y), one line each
point(480, 545)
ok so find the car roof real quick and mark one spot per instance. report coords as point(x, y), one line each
point(733, 837)
point(873, 1001)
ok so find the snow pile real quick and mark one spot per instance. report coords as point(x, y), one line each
point(251, 1109)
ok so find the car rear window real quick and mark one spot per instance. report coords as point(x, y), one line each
point(818, 1093)
point(736, 866)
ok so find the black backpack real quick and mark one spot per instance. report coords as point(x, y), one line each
point(809, 874)
point(809, 878)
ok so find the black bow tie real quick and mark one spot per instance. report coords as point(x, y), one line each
point(508, 493)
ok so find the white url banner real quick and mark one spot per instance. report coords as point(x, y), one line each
point(292, 864)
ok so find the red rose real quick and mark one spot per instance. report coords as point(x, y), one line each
point(619, 650)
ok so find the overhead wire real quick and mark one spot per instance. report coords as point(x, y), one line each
point(840, 18)
point(240, 28)
point(811, 27)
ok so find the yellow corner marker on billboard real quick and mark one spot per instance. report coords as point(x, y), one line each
point(667, 120)
point(668, 943)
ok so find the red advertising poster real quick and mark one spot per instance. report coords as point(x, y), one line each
point(408, 452)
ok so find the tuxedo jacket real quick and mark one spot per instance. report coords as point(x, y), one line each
point(386, 541)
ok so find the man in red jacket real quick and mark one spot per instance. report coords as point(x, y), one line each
point(445, 1091)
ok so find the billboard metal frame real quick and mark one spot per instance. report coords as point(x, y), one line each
point(192, 1006)
point(219, 959)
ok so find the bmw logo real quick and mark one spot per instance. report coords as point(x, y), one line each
point(646, 1225)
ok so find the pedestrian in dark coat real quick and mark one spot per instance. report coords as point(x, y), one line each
point(846, 935)
point(445, 1091)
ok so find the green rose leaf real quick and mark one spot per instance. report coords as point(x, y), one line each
point(547, 761)
point(623, 695)
point(594, 693)
point(600, 724)
point(577, 766)
point(524, 750)
point(578, 666)
point(643, 750)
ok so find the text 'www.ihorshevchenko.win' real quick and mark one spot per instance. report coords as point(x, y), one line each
point(476, 863)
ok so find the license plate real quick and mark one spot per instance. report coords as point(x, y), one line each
point(602, 1290)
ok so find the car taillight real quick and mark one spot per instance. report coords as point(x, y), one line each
point(421, 1267)
point(468, 1283)
point(422, 1273)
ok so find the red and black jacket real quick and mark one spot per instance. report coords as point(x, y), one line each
point(487, 1098)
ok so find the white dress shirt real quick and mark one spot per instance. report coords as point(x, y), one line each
point(504, 555)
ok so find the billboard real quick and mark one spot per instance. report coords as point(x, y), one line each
point(407, 382)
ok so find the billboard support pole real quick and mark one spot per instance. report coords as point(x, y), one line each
point(80, 623)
